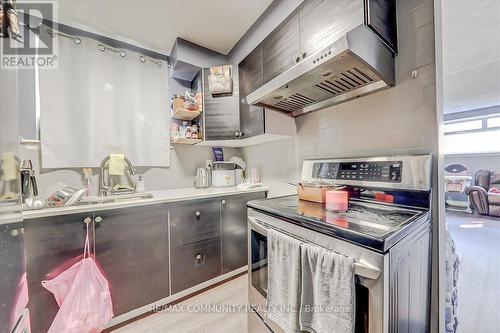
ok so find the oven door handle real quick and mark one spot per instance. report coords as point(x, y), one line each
point(360, 269)
point(257, 226)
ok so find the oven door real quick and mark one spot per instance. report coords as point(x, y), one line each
point(257, 279)
point(257, 289)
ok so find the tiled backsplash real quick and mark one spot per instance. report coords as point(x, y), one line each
point(399, 120)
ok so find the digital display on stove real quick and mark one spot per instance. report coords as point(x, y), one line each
point(382, 171)
point(325, 170)
point(349, 166)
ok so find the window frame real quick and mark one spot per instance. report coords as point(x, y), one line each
point(484, 127)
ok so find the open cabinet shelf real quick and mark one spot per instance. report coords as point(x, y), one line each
point(181, 141)
point(183, 114)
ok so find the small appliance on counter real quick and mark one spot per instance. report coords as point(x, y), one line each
point(202, 179)
point(241, 166)
point(223, 174)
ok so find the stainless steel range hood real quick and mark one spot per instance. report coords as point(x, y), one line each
point(357, 64)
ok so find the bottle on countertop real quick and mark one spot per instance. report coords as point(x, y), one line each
point(140, 187)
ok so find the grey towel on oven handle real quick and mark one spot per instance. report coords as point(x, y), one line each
point(284, 273)
point(328, 291)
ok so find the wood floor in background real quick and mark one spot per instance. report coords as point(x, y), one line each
point(188, 317)
point(477, 240)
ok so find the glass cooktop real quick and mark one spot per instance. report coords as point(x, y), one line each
point(373, 224)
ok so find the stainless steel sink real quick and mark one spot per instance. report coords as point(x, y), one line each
point(114, 198)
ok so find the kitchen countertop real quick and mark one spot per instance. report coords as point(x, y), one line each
point(159, 197)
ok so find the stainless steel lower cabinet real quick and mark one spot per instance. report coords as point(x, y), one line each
point(195, 263)
point(52, 244)
point(12, 269)
point(132, 248)
point(234, 230)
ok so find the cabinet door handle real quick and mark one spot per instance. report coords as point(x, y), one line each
point(98, 219)
point(223, 201)
point(87, 220)
point(199, 257)
point(197, 213)
point(237, 134)
point(304, 55)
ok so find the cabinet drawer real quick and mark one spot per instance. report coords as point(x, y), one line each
point(195, 263)
point(192, 222)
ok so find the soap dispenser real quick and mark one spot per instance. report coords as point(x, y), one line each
point(140, 187)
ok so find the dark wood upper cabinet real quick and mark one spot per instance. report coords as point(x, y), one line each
point(251, 77)
point(322, 22)
point(280, 50)
point(221, 112)
point(381, 18)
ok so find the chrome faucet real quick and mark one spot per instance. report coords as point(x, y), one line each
point(105, 187)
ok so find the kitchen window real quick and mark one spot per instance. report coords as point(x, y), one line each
point(463, 126)
point(472, 136)
point(493, 122)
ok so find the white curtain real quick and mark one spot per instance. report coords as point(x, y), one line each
point(98, 103)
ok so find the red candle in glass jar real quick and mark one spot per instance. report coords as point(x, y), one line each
point(337, 201)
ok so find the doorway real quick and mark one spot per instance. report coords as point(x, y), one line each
point(471, 148)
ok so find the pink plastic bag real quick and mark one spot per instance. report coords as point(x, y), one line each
point(83, 296)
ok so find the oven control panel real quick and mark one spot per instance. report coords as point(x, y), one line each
point(395, 172)
point(378, 171)
point(387, 171)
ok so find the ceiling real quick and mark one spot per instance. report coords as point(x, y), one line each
point(154, 24)
point(471, 54)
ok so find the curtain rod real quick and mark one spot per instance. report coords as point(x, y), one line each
point(101, 46)
point(76, 33)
